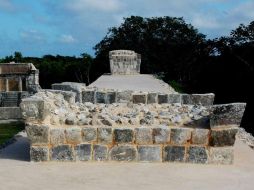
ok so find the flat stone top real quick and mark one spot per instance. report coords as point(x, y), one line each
point(142, 82)
point(18, 173)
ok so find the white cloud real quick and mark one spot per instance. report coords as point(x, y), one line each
point(67, 38)
point(33, 36)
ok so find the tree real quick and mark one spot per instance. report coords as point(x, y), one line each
point(18, 57)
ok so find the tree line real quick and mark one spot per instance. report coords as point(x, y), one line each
point(174, 51)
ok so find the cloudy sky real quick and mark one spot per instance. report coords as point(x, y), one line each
point(71, 27)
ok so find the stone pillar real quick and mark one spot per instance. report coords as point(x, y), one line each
point(7, 85)
point(20, 84)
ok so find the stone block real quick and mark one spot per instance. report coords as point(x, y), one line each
point(197, 154)
point(224, 155)
point(38, 134)
point(101, 97)
point(149, 153)
point(227, 114)
point(143, 135)
point(174, 98)
point(83, 152)
point(223, 137)
point(174, 153)
point(62, 153)
point(161, 135)
point(200, 136)
point(180, 136)
point(33, 109)
point(162, 98)
point(39, 153)
point(152, 98)
point(104, 135)
point(89, 134)
point(88, 96)
point(100, 152)
point(123, 153)
point(111, 97)
point(57, 136)
point(123, 135)
point(198, 99)
point(124, 96)
point(139, 98)
point(73, 135)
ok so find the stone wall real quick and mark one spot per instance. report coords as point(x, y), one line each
point(7, 113)
point(60, 130)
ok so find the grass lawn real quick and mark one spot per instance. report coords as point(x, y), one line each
point(7, 131)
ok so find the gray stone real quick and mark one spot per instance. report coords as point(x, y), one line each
point(123, 135)
point(89, 134)
point(111, 97)
point(152, 97)
point(161, 135)
point(57, 136)
point(200, 136)
point(180, 136)
point(100, 152)
point(39, 153)
point(227, 114)
point(124, 96)
point(83, 152)
point(38, 134)
point(105, 135)
point(223, 155)
point(197, 154)
point(162, 98)
point(143, 135)
point(149, 153)
point(174, 153)
point(123, 153)
point(62, 153)
point(174, 98)
point(88, 96)
point(101, 97)
point(223, 137)
point(139, 98)
point(198, 99)
point(33, 109)
point(71, 119)
point(73, 135)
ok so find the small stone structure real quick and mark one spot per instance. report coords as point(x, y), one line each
point(124, 62)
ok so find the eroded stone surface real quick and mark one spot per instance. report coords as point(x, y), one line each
point(162, 98)
point(39, 153)
point(89, 134)
point(180, 136)
point(83, 152)
point(223, 137)
point(152, 97)
point(139, 98)
point(123, 135)
point(174, 98)
point(200, 136)
point(196, 154)
point(73, 135)
point(149, 153)
point(62, 153)
point(105, 135)
point(123, 153)
point(143, 135)
point(161, 135)
point(221, 155)
point(174, 153)
point(38, 134)
point(100, 152)
point(198, 99)
point(57, 136)
point(88, 96)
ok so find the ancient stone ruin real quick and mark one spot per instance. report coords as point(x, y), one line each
point(125, 125)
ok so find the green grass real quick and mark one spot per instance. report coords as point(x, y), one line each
point(7, 131)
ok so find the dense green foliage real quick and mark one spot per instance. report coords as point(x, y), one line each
point(7, 131)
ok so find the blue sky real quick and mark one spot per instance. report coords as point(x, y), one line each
point(71, 27)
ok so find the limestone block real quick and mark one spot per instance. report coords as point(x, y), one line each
point(196, 154)
point(161, 135)
point(149, 153)
point(221, 155)
point(124, 96)
point(88, 95)
point(89, 134)
point(39, 153)
point(73, 135)
point(162, 98)
point(71, 119)
point(33, 109)
point(174, 98)
point(227, 114)
point(223, 137)
point(180, 136)
point(123, 153)
point(100, 152)
point(104, 135)
point(62, 153)
point(57, 136)
point(152, 97)
point(174, 153)
point(38, 134)
point(143, 135)
point(198, 99)
point(101, 97)
point(200, 136)
point(139, 98)
point(123, 135)
point(83, 152)
point(111, 97)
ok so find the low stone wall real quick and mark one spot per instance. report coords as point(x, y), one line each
point(63, 131)
point(7, 113)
